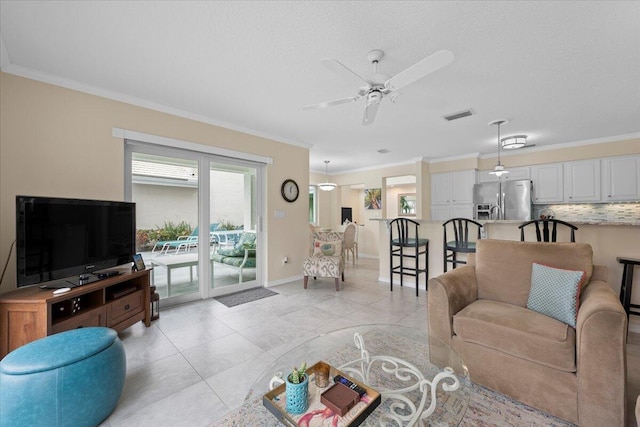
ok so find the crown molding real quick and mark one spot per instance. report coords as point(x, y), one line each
point(452, 158)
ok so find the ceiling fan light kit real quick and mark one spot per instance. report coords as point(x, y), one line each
point(326, 186)
point(513, 142)
point(379, 86)
point(498, 169)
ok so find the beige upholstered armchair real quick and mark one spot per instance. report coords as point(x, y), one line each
point(327, 259)
point(487, 312)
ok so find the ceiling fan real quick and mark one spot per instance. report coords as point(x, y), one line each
point(378, 86)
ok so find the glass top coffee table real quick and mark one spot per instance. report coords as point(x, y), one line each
point(421, 380)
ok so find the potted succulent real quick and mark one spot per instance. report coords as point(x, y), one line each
point(297, 390)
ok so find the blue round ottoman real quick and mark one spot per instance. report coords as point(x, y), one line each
point(73, 378)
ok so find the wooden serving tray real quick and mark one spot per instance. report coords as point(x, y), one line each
point(318, 414)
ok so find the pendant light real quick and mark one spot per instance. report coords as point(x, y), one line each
point(326, 186)
point(498, 169)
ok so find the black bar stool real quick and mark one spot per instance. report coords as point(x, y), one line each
point(544, 237)
point(404, 242)
point(627, 284)
point(461, 243)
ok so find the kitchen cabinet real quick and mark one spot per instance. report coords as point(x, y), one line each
point(452, 194)
point(621, 179)
point(522, 172)
point(462, 211)
point(441, 212)
point(440, 188)
point(462, 186)
point(547, 183)
point(582, 181)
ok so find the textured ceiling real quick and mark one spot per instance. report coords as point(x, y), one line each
point(560, 72)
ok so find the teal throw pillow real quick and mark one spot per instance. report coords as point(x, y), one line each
point(555, 292)
point(327, 248)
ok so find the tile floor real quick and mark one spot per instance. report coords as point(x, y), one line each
point(198, 361)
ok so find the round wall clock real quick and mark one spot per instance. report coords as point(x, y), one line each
point(290, 190)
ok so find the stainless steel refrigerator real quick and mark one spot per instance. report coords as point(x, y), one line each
point(508, 200)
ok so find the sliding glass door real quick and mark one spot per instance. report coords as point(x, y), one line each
point(197, 220)
point(233, 219)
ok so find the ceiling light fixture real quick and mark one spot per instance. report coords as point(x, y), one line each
point(326, 186)
point(513, 142)
point(498, 169)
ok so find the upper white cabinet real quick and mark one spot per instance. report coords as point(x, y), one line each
point(522, 172)
point(452, 194)
point(462, 186)
point(441, 212)
point(582, 181)
point(547, 183)
point(440, 188)
point(621, 178)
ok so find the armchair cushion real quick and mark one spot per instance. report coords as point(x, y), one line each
point(555, 292)
point(519, 332)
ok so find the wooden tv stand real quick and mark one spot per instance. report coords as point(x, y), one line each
point(117, 302)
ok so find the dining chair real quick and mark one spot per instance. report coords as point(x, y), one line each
point(544, 235)
point(461, 242)
point(350, 242)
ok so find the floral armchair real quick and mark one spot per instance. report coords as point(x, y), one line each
point(327, 258)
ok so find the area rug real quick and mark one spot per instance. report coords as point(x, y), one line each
point(486, 408)
point(243, 297)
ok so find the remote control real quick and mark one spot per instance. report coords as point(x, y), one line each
point(352, 386)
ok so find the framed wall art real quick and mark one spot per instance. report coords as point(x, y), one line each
point(373, 198)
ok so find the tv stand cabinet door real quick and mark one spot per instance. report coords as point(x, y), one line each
point(21, 323)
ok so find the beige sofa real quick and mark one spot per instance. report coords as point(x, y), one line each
point(575, 374)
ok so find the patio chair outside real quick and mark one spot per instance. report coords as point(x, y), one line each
point(182, 242)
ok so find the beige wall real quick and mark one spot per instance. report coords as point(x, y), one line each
point(466, 163)
point(58, 142)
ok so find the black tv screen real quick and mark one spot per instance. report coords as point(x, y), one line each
point(59, 238)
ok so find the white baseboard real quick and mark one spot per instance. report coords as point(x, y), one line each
point(396, 282)
point(283, 281)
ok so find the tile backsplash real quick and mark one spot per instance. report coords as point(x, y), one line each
point(617, 212)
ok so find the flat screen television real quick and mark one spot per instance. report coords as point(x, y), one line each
point(67, 239)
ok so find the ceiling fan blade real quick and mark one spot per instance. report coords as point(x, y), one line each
point(370, 111)
point(420, 69)
point(330, 103)
point(346, 73)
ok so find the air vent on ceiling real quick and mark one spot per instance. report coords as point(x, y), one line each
point(459, 115)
